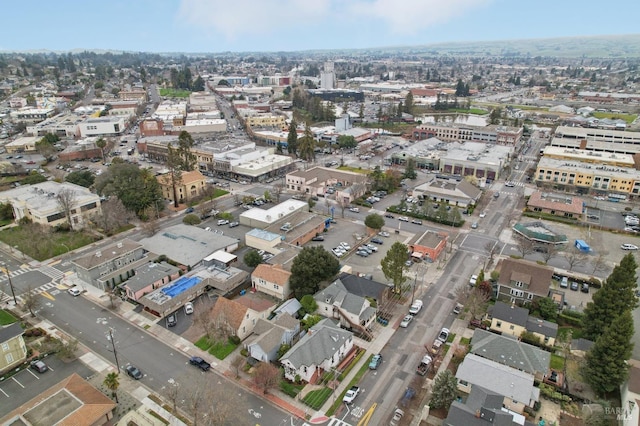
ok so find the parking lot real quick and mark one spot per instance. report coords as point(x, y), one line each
point(28, 383)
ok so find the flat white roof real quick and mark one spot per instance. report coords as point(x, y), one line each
point(221, 256)
point(276, 212)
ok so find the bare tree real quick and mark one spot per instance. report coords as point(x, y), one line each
point(524, 246)
point(266, 376)
point(343, 204)
point(112, 215)
point(574, 257)
point(31, 301)
point(66, 200)
point(477, 302)
point(277, 191)
point(203, 320)
point(600, 262)
point(491, 248)
point(237, 363)
point(172, 392)
point(551, 252)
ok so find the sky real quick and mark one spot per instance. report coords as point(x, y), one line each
point(211, 26)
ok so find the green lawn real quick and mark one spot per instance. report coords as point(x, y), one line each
point(40, 246)
point(473, 111)
point(175, 93)
point(222, 349)
point(557, 362)
point(6, 318)
point(626, 117)
point(316, 398)
point(219, 192)
point(354, 169)
point(203, 343)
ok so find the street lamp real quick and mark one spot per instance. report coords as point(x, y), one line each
point(13, 293)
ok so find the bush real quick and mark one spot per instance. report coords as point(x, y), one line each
point(572, 318)
point(191, 219)
point(235, 340)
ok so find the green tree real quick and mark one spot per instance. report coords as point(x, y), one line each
point(393, 265)
point(292, 138)
point(83, 178)
point(191, 219)
point(136, 188)
point(445, 389)
point(547, 307)
point(6, 211)
point(616, 296)
point(494, 117)
point(187, 160)
point(252, 258)
point(45, 146)
point(307, 145)
point(174, 164)
point(606, 362)
point(312, 266)
point(408, 103)
point(198, 85)
point(101, 143)
point(308, 304)
point(374, 221)
point(410, 169)
point(347, 142)
point(112, 382)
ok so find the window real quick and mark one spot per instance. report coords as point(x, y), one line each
point(511, 327)
point(499, 324)
point(5, 347)
point(9, 358)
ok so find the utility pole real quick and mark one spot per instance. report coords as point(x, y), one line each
point(13, 293)
point(113, 345)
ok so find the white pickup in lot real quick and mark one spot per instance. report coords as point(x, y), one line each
point(351, 395)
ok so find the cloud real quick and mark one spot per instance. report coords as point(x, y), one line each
point(413, 16)
point(236, 18)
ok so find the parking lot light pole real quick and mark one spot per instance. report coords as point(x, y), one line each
point(113, 345)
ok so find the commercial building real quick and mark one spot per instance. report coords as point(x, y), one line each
point(22, 144)
point(428, 246)
point(103, 126)
point(190, 185)
point(33, 115)
point(259, 218)
point(266, 121)
point(599, 140)
point(64, 125)
point(482, 161)
point(147, 278)
point(500, 135)
point(40, 203)
point(454, 192)
point(317, 180)
point(556, 204)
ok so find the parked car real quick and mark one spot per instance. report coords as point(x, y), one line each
point(223, 222)
point(362, 253)
point(345, 246)
point(474, 225)
point(39, 366)
point(416, 221)
point(397, 417)
point(408, 263)
point(415, 307)
point(403, 219)
point(384, 234)
point(189, 210)
point(473, 280)
point(172, 320)
point(318, 238)
point(354, 209)
point(200, 363)
point(483, 214)
point(444, 335)
point(574, 286)
point(629, 247)
point(406, 321)
point(351, 394)
point(377, 240)
point(188, 308)
point(133, 372)
point(375, 362)
point(585, 288)
point(372, 248)
point(234, 224)
point(389, 216)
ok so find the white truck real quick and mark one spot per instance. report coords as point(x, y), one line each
point(424, 366)
point(351, 395)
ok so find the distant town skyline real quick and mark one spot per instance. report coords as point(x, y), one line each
point(295, 25)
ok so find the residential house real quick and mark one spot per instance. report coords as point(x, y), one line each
point(509, 319)
point(12, 347)
point(630, 396)
point(269, 336)
point(514, 320)
point(517, 387)
point(235, 318)
point(272, 280)
point(523, 282)
point(111, 265)
point(544, 330)
point(320, 350)
point(190, 185)
point(481, 408)
point(352, 311)
point(73, 401)
point(149, 277)
point(511, 352)
point(366, 287)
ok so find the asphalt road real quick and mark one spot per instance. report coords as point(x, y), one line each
point(161, 363)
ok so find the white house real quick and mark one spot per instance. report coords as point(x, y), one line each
point(320, 350)
point(272, 280)
point(269, 336)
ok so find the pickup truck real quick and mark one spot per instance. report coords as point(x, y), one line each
point(351, 395)
point(435, 348)
point(200, 363)
point(423, 368)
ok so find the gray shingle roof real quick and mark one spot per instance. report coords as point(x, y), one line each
point(546, 328)
point(363, 286)
point(319, 344)
point(10, 331)
point(489, 406)
point(511, 352)
point(336, 292)
point(498, 378)
point(148, 274)
point(509, 313)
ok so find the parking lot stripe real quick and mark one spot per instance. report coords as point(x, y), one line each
point(5, 394)
point(50, 368)
point(14, 379)
point(33, 374)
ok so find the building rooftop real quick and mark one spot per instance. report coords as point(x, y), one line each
point(275, 213)
point(263, 235)
point(107, 254)
point(589, 156)
point(477, 151)
point(589, 168)
point(42, 197)
point(149, 273)
point(564, 203)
